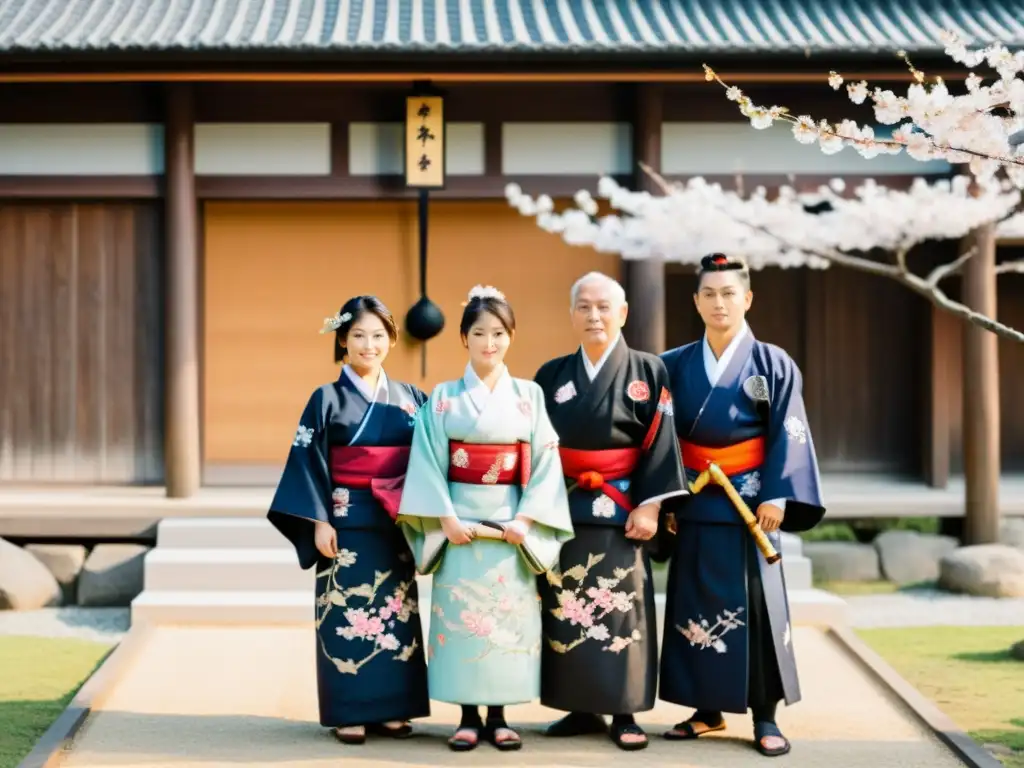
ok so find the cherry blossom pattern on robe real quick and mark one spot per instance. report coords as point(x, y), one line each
point(587, 609)
point(369, 621)
point(491, 609)
point(705, 635)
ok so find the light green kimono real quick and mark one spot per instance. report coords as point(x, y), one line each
point(485, 626)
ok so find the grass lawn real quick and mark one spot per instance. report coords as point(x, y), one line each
point(38, 677)
point(968, 673)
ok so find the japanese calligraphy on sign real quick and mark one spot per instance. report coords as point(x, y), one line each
point(424, 142)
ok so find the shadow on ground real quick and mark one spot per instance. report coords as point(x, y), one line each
point(126, 738)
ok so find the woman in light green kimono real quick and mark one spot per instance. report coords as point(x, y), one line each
point(485, 511)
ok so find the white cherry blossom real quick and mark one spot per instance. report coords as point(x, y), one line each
point(828, 225)
point(974, 126)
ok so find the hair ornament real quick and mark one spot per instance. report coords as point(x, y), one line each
point(483, 292)
point(719, 262)
point(334, 323)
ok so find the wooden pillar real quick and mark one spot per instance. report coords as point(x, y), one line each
point(645, 279)
point(181, 323)
point(942, 362)
point(981, 395)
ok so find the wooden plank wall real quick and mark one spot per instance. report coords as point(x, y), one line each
point(274, 270)
point(80, 343)
point(1011, 370)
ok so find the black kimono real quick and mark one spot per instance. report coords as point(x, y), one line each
point(728, 641)
point(618, 451)
point(345, 467)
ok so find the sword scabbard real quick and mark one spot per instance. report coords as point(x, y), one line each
point(716, 474)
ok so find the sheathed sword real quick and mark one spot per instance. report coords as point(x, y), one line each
point(714, 474)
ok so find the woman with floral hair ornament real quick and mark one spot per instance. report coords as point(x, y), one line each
point(485, 511)
point(745, 442)
point(336, 502)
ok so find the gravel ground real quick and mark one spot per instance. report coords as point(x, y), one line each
point(102, 625)
point(931, 607)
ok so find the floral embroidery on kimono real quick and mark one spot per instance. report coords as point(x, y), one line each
point(410, 411)
point(565, 393)
point(460, 458)
point(587, 610)
point(751, 485)
point(665, 403)
point(370, 621)
point(638, 391)
point(795, 429)
point(706, 635)
point(603, 506)
point(493, 612)
point(303, 436)
point(341, 500)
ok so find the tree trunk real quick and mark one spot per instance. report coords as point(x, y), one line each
point(981, 395)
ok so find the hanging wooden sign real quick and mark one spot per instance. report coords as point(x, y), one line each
point(424, 142)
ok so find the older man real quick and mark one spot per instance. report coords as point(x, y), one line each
point(612, 410)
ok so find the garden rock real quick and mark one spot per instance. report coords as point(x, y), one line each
point(64, 561)
point(25, 583)
point(985, 570)
point(842, 561)
point(112, 575)
point(1011, 532)
point(909, 557)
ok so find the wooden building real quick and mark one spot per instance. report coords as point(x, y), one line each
point(188, 187)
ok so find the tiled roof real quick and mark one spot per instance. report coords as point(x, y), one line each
point(467, 26)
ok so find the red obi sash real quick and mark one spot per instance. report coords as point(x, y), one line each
point(381, 469)
point(593, 469)
point(489, 464)
point(732, 459)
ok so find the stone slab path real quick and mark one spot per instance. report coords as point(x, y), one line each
point(201, 697)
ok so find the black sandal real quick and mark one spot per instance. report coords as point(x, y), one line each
point(763, 730)
point(490, 734)
point(577, 724)
point(687, 730)
point(350, 738)
point(632, 729)
point(403, 731)
point(462, 745)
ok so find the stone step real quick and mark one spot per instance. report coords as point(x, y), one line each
point(259, 569)
point(257, 532)
point(798, 572)
point(225, 570)
point(817, 607)
point(220, 533)
point(792, 545)
point(223, 607)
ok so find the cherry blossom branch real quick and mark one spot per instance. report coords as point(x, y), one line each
point(1010, 266)
point(927, 287)
point(943, 271)
point(811, 229)
point(848, 133)
point(932, 122)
